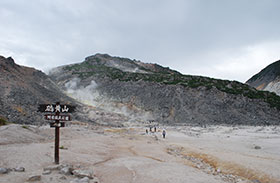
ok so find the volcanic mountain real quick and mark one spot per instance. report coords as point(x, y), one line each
point(151, 92)
point(23, 89)
point(267, 79)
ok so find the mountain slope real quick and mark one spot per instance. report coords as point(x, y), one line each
point(267, 79)
point(165, 95)
point(23, 89)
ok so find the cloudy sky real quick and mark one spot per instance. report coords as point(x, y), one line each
point(227, 39)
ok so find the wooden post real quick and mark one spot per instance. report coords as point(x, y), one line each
point(56, 145)
point(57, 109)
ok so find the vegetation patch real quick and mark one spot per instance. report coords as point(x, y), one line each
point(62, 147)
point(25, 127)
point(3, 121)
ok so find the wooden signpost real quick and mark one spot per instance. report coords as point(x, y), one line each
point(55, 110)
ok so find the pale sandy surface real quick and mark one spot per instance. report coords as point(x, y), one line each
point(127, 155)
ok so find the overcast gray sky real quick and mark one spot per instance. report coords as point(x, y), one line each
point(226, 39)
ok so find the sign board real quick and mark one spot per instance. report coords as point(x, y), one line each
point(51, 108)
point(57, 117)
point(54, 111)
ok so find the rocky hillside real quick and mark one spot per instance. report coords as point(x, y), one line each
point(23, 89)
point(153, 92)
point(267, 79)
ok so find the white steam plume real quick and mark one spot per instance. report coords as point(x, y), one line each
point(89, 95)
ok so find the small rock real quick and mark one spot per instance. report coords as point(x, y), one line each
point(256, 181)
point(66, 171)
point(19, 169)
point(95, 180)
point(47, 172)
point(83, 180)
point(4, 171)
point(83, 173)
point(34, 178)
point(76, 180)
point(257, 147)
point(63, 178)
point(55, 167)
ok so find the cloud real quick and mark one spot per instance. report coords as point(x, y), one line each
point(190, 35)
point(240, 64)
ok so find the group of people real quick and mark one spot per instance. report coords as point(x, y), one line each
point(155, 130)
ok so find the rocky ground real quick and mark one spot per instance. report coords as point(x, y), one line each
point(215, 154)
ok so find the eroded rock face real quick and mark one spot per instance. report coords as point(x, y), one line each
point(177, 104)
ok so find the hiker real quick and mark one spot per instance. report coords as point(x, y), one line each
point(146, 131)
point(163, 134)
point(155, 129)
point(150, 129)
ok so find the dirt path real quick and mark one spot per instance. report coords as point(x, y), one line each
point(129, 155)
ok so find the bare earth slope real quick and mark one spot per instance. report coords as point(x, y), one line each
point(125, 155)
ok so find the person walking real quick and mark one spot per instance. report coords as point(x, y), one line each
point(163, 133)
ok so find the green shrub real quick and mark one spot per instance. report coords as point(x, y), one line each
point(62, 147)
point(3, 122)
point(25, 127)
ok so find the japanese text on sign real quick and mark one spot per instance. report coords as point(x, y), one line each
point(56, 108)
point(57, 117)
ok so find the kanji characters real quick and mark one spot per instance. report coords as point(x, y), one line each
point(49, 108)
